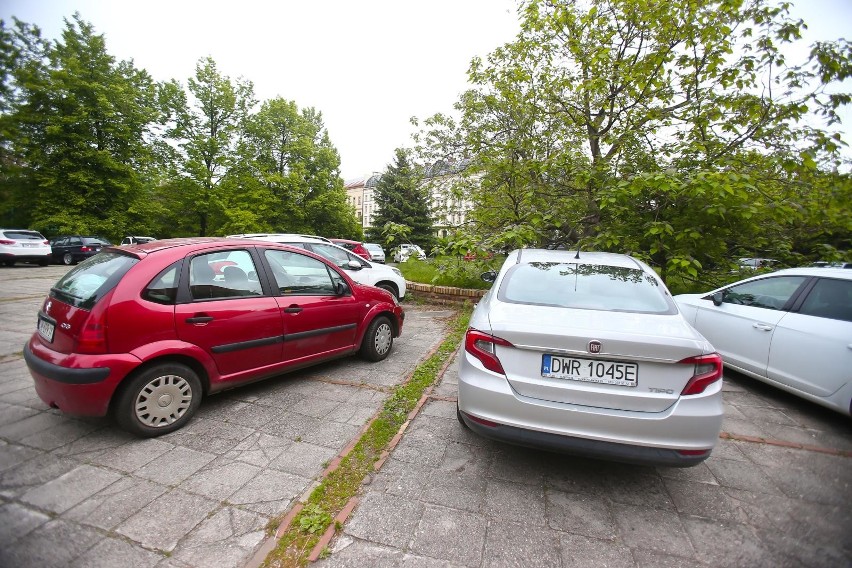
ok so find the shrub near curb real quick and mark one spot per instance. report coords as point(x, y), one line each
point(331, 496)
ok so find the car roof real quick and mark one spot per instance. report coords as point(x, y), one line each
point(347, 241)
point(571, 257)
point(281, 237)
point(834, 272)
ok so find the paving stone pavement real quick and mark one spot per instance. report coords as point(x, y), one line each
point(82, 493)
point(449, 498)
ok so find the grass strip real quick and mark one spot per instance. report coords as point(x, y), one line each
point(332, 494)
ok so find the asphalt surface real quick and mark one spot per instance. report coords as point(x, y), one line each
point(80, 492)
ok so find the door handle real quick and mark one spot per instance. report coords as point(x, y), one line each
point(762, 326)
point(199, 319)
point(292, 310)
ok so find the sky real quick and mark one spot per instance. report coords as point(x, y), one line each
point(368, 65)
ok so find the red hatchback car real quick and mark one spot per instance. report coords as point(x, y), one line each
point(144, 331)
point(355, 246)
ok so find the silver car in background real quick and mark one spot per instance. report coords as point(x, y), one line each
point(377, 253)
point(588, 354)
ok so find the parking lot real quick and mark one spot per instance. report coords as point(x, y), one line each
point(77, 492)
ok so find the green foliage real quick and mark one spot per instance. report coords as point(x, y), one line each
point(648, 127)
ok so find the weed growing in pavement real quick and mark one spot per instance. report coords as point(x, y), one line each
point(332, 494)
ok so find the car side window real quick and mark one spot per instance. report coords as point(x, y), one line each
point(337, 256)
point(769, 293)
point(163, 288)
point(829, 299)
point(299, 274)
point(231, 274)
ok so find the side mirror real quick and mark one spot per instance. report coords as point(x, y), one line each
point(489, 276)
point(341, 289)
point(718, 298)
point(353, 265)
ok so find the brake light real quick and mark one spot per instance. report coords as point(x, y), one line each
point(85, 249)
point(6, 242)
point(708, 370)
point(484, 347)
point(45, 242)
point(93, 339)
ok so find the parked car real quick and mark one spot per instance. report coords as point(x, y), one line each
point(360, 270)
point(756, 263)
point(791, 329)
point(72, 249)
point(403, 252)
point(354, 246)
point(136, 240)
point(177, 332)
point(23, 245)
point(377, 253)
point(588, 354)
point(261, 235)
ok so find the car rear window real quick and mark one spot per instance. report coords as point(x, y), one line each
point(585, 286)
point(95, 241)
point(24, 235)
point(92, 279)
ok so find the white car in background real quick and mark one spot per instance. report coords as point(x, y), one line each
point(22, 245)
point(791, 329)
point(587, 353)
point(360, 270)
point(403, 252)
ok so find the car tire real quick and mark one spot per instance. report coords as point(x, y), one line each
point(389, 288)
point(378, 340)
point(9, 262)
point(67, 259)
point(158, 400)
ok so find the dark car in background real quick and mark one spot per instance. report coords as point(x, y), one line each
point(72, 249)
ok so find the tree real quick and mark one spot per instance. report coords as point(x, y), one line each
point(77, 124)
point(206, 128)
point(400, 200)
point(288, 176)
point(611, 123)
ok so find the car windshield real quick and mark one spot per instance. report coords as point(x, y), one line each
point(376, 248)
point(90, 281)
point(585, 286)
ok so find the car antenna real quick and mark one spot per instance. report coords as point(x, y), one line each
point(577, 256)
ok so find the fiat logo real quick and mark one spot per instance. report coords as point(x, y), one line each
point(594, 346)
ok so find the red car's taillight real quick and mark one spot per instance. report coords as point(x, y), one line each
point(708, 370)
point(484, 347)
point(93, 336)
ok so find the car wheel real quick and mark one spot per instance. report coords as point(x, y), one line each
point(9, 262)
point(378, 340)
point(67, 259)
point(158, 400)
point(390, 288)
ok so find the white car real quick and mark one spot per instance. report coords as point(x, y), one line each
point(360, 270)
point(588, 354)
point(402, 252)
point(377, 253)
point(791, 328)
point(22, 245)
point(136, 240)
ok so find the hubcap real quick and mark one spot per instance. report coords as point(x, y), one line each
point(383, 339)
point(163, 401)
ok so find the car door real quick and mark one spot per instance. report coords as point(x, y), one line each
point(233, 320)
point(318, 322)
point(741, 327)
point(812, 347)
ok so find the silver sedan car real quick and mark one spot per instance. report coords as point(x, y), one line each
point(588, 354)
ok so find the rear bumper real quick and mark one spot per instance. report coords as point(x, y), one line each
point(690, 425)
point(34, 257)
point(80, 385)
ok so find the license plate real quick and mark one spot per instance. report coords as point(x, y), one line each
point(590, 370)
point(45, 329)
